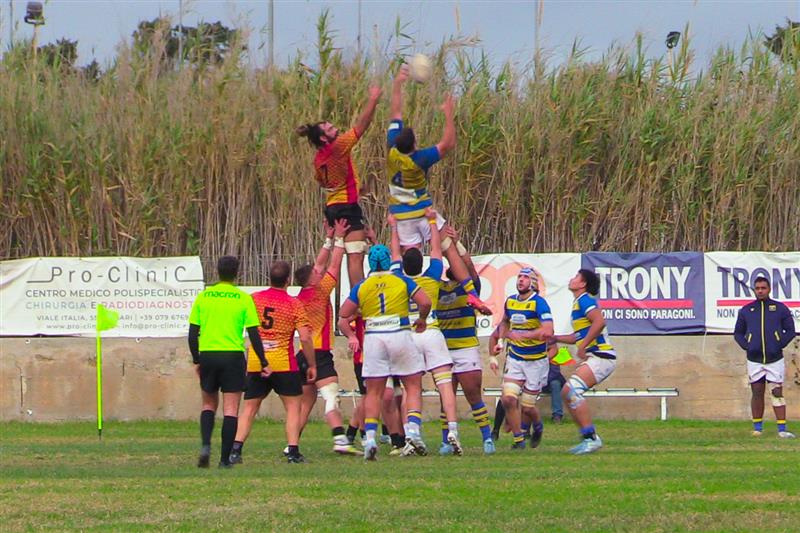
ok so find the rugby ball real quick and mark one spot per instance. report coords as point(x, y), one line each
point(420, 68)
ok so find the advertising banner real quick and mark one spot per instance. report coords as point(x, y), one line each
point(59, 295)
point(650, 293)
point(730, 277)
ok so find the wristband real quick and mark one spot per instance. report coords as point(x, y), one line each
point(339, 242)
point(431, 221)
point(328, 243)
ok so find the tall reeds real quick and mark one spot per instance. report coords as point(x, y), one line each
point(624, 153)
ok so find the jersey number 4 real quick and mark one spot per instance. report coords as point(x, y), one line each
point(268, 321)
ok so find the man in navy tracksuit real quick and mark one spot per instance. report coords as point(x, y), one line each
point(764, 328)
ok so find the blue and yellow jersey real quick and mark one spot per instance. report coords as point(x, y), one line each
point(526, 315)
point(408, 177)
point(430, 281)
point(383, 300)
point(582, 306)
point(456, 318)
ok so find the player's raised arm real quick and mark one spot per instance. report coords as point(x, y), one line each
point(448, 141)
point(394, 241)
point(323, 256)
point(396, 106)
point(365, 118)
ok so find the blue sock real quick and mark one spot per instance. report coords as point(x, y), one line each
point(524, 427)
point(444, 426)
point(758, 424)
point(538, 427)
point(481, 417)
point(781, 425)
point(588, 432)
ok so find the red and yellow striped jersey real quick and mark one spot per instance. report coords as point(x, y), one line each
point(335, 170)
point(281, 315)
point(317, 302)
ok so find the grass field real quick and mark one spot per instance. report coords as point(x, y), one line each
point(657, 476)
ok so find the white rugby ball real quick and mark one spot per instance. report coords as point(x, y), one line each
point(420, 68)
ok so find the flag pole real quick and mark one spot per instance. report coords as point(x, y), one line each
point(99, 389)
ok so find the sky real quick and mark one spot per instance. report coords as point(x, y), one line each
point(507, 29)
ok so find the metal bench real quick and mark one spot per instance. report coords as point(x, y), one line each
point(651, 392)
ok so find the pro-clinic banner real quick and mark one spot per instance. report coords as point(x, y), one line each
point(730, 277)
point(498, 273)
point(59, 296)
point(650, 293)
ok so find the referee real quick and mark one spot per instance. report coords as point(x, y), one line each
point(219, 315)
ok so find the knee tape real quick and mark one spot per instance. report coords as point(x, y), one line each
point(777, 401)
point(575, 393)
point(511, 389)
point(330, 393)
point(356, 247)
point(447, 242)
point(528, 399)
point(442, 378)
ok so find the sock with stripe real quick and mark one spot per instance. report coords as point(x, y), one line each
point(469, 287)
point(371, 427)
point(781, 425)
point(443, 425)
point(519, 437)
point(481, 417)
point(414, 422)
point(758, 424)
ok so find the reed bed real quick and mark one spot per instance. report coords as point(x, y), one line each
point(623, 153)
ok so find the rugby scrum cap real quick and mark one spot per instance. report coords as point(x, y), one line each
point(380, 258)
point(530, 273)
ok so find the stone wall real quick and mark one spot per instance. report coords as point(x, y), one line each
point(50, 379)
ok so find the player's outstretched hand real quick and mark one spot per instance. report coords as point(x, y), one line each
point(430, 213)
point(420, 325)
point(496, 349)
point(341, 227)
point(370, 235)
point(581, 353)
point(449, 104)
point(375, 92)
point(327, 228)
point(402, 74)
point(353, 344)
point(494, 364)
point(311, 374)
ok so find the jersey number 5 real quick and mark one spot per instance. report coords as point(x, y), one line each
point(268, 321)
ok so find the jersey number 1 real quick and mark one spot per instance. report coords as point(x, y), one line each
point(382, 298)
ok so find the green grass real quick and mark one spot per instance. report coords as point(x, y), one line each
point(657, 476)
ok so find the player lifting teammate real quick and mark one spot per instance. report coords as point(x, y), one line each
point(389, 348)
point(407, 171)
point(431, 343)
point(317, 282)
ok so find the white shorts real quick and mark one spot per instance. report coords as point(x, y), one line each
point(391, 354)
point(533, 373)
point(600, 367)
point(466, 360)
point(433, 346)
point(415, 231)
point(774, 372)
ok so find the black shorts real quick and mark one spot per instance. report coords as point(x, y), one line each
point(222, 370)
point(350, 212)
point(283, 383)
point(325, 368)
point(362, 389)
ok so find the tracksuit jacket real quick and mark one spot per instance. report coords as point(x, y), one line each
point(763, 329)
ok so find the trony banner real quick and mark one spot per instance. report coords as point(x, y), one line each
point(650, 293)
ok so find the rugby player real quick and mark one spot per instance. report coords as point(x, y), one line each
point(526, 322)
point(389, 349)
point(336, 174)
point(431, 343)
point(221, 312)
point(317, 282)
point(594, 350)
point(281, 315)
point(457, 322)
point(407, 171)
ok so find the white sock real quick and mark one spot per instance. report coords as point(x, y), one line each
point(452, 428)
point(371, 434)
